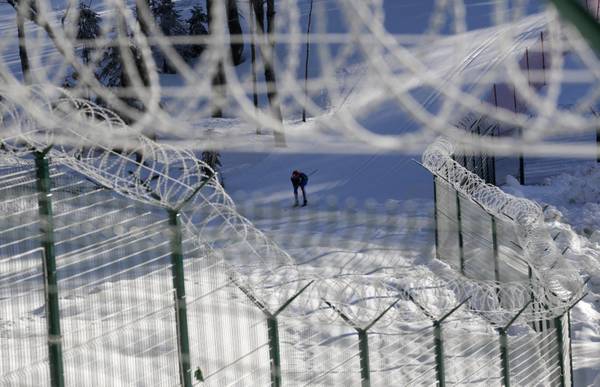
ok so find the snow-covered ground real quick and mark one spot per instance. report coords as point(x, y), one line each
point(369, 214)
point(571, 204)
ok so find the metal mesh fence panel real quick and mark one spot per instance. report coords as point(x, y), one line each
point(533, 357)
point(115, 287)
point(447, 225)
point(121, 318)
point(511, 266)
point(23, 326)
point(228, 333)
point(474, 361)
point(477, 238)
point(318, 353)
point(406, 358)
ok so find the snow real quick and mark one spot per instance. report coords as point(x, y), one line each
point(369, 214)
point(572, 209)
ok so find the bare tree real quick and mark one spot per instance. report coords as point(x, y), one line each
point(253, 54)
point(24, 10)
point(306, 63)
point(268, 55)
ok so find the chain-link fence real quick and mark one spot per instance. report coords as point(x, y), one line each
point(100, 289)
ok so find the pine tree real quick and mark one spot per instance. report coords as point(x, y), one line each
point(111, 73)
point(168, 19)
point(235, 32)
point(88, 28)
point(213, 160)
point(269, 59)
point(197, 27)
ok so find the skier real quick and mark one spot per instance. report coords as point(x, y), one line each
point(299, 179)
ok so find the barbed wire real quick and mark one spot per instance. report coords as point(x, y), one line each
point(97, 142)
point(370, 66)
point(173, 179)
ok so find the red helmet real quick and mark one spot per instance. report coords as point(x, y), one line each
point(295, 173)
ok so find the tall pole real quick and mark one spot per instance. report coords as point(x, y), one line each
point(252, 22)
point(183, 343)
point(435, 219)
point(51, 286)
point(306, 63)
point(461, 250)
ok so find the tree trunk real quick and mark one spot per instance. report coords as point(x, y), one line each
point(251, 21)
point(25, 68)
point(306, 63)
point(235, 32)
point(268, 59)
point(218, 81)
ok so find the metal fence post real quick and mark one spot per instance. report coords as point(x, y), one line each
point(274, 353)
point(183, 341)
point(569, 331)
point(272, 329)
point(363, 348)
point(504, 359)
point(561, 354)
point(495, 250)
point(439, 353)
point(363, 340)
point(49, 260)
point(438, 340)
point(504, 346)
point(435, 218)
point(460, 235)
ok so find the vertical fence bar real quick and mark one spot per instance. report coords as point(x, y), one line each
point(598, 139)
point(52, 307)
point(561, 354)
point(460, 235)
point(435, 219)
point(493, 179)
point(272, 329)
point(363, 339)
point(495, 249)
point(570, 347)
point(521, 157)
point(439, 353)
point(569, 332)
point(183, 342)
point(504, 357)
point(543, 56)
point(274, 351)
point(363, 347)
point(438, 342)
point(504, 346)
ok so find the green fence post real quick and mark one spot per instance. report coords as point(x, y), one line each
point(504, 346)
point(272, 329)
point(561, 354)
point(274, 353)
point(435, 218)
point(581, 19)
point(438, 341)
point(495, 249)
point(363, 348)
point(504, 357)
point(460, 235)
point(43, 183)
point(569, 331)
point(183, 341)
point(363, 340)
point(439, 353)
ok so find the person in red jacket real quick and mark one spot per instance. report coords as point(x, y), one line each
point(299, 179)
